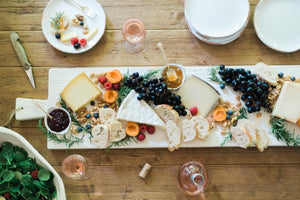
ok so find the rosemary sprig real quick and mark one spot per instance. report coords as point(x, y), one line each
point(69, 141)
point(74, 119)
point(213, 71)
point(124, 142)
point(282, 133)
point(227, 138)
point(151, 74)
point(55, 23)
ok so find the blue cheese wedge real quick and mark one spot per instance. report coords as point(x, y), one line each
point(134, 110)
point(287, 105)
point(196, 92)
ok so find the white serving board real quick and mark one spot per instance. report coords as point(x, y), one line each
point(59, 78)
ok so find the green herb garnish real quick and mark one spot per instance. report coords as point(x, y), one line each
point(68, 140)
point(282, 133)
point(213, 71)
point(55, 23)
point(124, 142)
point(227, 138)
point(22, 177)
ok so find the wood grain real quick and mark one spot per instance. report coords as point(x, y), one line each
point(234, 173)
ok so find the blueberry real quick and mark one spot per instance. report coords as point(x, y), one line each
point(88, 116)
point(228, 80)
point(145, 97)
point(258, 103)
point(96, 115)
point(178, 98)
point(248, 103)
point(184, 113)
point(137, 89)
point(146, 84)
point(280, 74)
point(81, 23)
point(176, 107)
point(140, 97)
point(222, 67)
point(170, 101)
point(143, 90)
point(105, 106)
point(57, 35)
point(181, 107)
point(293, 78)
point(222, 86)
point(250, 110)
point(79, 129)
point(135, 75)
point(140, 79)
point(244, 97)
point(77, 45)
point(88, 126)
point(161, 79)
point(92, 103)
point(249, 90)
point(221, 72)
point(227, 116)
point(250, 98)
point(230, 112)
point(257, 108)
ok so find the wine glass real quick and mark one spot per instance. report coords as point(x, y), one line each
point(193, 178)
point(134, 34)
point(77, 167)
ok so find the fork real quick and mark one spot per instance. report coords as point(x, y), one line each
point(86, 10)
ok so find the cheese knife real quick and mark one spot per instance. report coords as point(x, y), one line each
point(15, 40)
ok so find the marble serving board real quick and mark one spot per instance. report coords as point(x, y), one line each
point(59, 78)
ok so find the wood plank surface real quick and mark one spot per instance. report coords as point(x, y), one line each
point(234, 173)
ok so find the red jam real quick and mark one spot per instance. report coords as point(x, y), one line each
point(60, 120)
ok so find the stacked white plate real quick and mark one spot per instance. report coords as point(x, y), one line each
point(217, 22)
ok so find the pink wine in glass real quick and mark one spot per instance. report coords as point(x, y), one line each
point(77, 167)
point(193, 178)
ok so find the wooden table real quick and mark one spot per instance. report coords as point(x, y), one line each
point(234, 173)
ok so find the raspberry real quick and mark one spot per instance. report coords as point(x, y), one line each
point(194, 110)
point(141, 136)
point(34, 174)
point(108, 85)
point(74, 40)
point(6, 195)
point(151, 129)
point(116, 86)
point(82, 42)
point(143, 128)
point(102, 79)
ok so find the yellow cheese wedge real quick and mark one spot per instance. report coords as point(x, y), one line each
point(67, 36)
point(196, 92)
point(79, 92)
point(91, 34)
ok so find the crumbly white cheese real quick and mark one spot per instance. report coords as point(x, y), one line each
point(288, 104)
point(134, 110)
point(196, 92)
point(79, 92)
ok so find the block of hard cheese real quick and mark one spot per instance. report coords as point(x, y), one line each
point(79, 92)
point(288, 104)
point(196, 92)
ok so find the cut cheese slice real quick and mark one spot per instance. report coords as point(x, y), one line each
point(288, 104)
point(67, 36)
point(91, 34)
point(266, 73)
point(196, 92)
point(134, 110)
point(79, 92)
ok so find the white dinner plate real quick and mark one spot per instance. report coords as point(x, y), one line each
point(217, 18)
point(98, 22)
point(277, 24)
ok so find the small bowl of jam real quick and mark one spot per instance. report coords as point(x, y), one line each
point(174, 76)
point(60, 122)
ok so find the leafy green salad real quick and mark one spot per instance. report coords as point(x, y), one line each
point(21, 177)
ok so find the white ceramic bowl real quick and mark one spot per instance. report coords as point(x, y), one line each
point(7, 135)
point(46, 120)
point(217, 18)
point(277, 24)
point(183, 74)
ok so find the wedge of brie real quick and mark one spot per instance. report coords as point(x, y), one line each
point(288, 104)
point(134, 110)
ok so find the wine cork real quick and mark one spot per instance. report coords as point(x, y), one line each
point(143, 173)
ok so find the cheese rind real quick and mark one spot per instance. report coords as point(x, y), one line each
point(79, 92)
point(196, 92)
point(288, 104)
point(134, 110)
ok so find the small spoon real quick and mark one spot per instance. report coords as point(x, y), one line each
point(40, 107)
point(172, 76)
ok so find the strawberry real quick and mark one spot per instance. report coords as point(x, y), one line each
point(74, 40)
point(151, 129)
point(34, 174)
point(82, 42)
point(141, 136)
point(102, 79)
point(108, 85)
point(6, 195)
point(143, 128)
point(116, 86)
point(194, 110)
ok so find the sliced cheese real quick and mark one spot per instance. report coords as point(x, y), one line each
point(134, 110)
point(196, 92)
point(67, 36)
point(266, 73)
point(79, 92)
point(288, 104)
point(91, 34)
